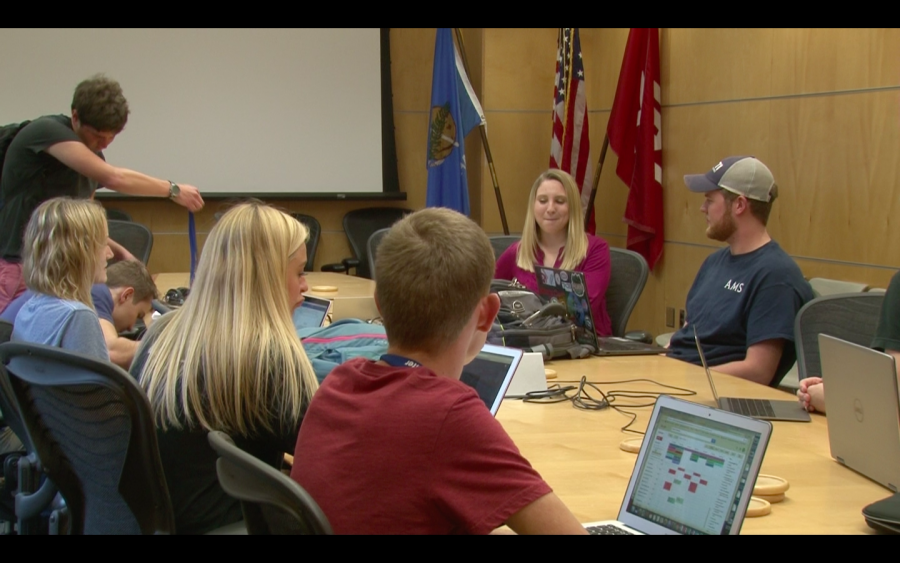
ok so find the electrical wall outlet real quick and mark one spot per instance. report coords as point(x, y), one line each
point(680, 318)
point(670, 317)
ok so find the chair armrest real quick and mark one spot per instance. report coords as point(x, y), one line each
point(640, 336)
point(333, 268)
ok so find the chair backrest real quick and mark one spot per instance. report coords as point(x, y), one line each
point(372, 248)
point(501, 242)
point(93, 431)
point(628, 275)
point(271, 501)
point(826, 286)
point(8, 405)
point(118, 215)
point(359, 225)
point(315, 229)
point(136, 238)
point(848, 316)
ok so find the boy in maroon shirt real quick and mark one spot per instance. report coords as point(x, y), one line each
point(400, 445)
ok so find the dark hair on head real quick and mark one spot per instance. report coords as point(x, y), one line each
point(101, 104)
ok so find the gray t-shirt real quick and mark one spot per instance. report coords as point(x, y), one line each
point(71, 325)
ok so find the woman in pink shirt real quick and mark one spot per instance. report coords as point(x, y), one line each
point(554, 236)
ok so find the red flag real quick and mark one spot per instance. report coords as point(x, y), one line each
point(570, 146)
point(635, 134)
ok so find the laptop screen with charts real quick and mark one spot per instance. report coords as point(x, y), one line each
point(694, 474)
point(765, 409)
point(570, 289)
point(863, 410)
point(312, 312)
point(491, 372)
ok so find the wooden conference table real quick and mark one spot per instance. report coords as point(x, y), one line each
point(348, 286)
point(577, 452)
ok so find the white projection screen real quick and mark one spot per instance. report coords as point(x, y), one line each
point(233, 111)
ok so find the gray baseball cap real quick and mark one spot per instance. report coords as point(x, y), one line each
point(743, 175)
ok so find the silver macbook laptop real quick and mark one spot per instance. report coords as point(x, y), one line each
point(312, 312)
point(491, 372)
point(694, 474)
point(569, 288)
point(766, 409)
point(862, 409)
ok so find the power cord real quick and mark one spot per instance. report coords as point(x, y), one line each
point(579, 394)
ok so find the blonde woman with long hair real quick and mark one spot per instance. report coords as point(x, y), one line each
point(65, 252)
point(554, 236)
point(229, 359)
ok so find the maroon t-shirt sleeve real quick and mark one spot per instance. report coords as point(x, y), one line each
point(483, 479)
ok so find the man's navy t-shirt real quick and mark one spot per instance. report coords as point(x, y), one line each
point(737, 301)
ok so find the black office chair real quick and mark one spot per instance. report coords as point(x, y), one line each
point(314, 231)
point(136, 238)
point(271, 501)
point(93, 430)
point(628, 276)
point(849, 316)
point(501, 242)
point(372, 248)
point(117, 215)
point(359, 225)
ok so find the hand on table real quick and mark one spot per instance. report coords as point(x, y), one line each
point(811, 394)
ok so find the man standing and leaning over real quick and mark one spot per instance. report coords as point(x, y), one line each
point(746, 295)
point(60, 155)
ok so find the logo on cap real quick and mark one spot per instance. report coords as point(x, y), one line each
point(717, 166)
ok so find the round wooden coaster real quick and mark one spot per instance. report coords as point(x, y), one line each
point(632, 445)
point(770, 485)
point(773, 499)
point(758, 507)
point(324, 289)
point(550, 373)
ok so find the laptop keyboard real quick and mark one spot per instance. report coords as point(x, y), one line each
point(607, 530)
point(752, 407)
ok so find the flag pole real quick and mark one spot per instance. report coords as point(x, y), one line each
point(484, 140)
point(590, 208)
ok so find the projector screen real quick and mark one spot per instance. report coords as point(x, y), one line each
point(232, 111)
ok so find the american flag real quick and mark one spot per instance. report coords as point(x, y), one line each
point(570, 147)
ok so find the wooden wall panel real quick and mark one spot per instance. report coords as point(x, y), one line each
point(703, 65)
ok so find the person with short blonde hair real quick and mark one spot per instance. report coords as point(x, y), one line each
point(229, 359)
point(553, 236)
point(65, 252)
point(401, 445)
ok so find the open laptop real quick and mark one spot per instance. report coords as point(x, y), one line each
point(765, 409)
point(863, 409)
point(312, 312)
point(694, 474)
point(569, 288)
point(491, 372)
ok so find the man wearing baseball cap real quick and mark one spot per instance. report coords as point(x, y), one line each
point(746, 295)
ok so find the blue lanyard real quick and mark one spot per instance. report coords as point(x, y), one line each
point(192, 238)
point(399, 361)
